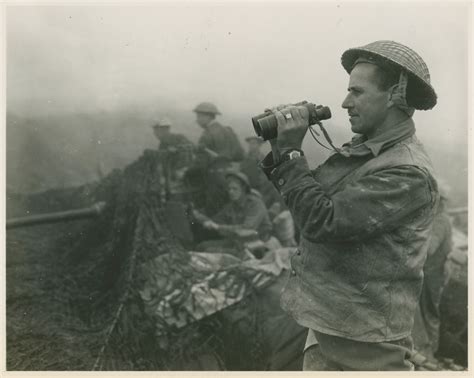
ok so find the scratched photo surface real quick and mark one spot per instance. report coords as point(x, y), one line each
point(132, 164)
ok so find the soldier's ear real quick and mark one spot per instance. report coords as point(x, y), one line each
point(391, 95)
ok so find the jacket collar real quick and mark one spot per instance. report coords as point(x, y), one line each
point(361, 146)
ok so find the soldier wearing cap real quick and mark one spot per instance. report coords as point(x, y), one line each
point(244, 211)
point(364, 215)
point(217, 138)
point(176, 148)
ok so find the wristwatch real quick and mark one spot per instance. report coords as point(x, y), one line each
point(291, 154)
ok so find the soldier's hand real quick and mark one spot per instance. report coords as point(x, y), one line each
point(292, 126)
point(210, 225)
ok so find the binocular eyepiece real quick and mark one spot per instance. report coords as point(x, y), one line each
point(266, 125)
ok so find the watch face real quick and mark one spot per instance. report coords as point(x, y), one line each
point(294, 154)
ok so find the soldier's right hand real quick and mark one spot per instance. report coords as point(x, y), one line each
point(292, 126)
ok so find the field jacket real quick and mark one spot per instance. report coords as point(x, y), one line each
point(364, 224)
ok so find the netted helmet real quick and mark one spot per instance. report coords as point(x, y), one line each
point(206, 107)
point(420, 94)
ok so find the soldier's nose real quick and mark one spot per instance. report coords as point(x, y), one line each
point(347, 103)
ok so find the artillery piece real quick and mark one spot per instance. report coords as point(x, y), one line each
point(60, 216)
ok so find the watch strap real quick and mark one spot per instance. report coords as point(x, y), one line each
point(289, 154)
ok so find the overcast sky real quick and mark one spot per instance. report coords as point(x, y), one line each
point(244, 57)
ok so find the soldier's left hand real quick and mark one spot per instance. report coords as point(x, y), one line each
point(292, 126)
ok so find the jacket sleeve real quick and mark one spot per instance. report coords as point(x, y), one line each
point(373, 204)
point(206, 140)
point(222, 216)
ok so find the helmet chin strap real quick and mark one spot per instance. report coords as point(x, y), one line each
point(398, 94)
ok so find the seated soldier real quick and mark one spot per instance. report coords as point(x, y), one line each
point(244, 217)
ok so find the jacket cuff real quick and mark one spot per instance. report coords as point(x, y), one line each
point(267, 165)
point(287, 175)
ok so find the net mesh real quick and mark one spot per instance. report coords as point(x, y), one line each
point(85, 286)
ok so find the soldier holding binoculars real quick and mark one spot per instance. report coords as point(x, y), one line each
point(364, 215)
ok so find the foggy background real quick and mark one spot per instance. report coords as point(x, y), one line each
point(84, 83)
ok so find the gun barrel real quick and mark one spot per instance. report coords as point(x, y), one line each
point(61, 216)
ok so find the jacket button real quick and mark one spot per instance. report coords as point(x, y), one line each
point(281, 182)
point(293, 273)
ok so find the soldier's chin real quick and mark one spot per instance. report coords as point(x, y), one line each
point(355, 126)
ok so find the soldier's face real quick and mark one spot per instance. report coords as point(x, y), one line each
point(366, 104)
point(203, 119)
point(235, 189)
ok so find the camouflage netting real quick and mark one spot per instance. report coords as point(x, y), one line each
point(121, 293)
point(79, 294)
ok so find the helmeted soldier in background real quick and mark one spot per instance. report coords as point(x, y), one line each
point(217, 138)
point(245, 211)
point(218, 149)
point(175, 151)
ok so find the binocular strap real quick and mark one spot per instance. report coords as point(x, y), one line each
point(328, 139)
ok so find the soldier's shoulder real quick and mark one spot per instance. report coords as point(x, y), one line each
point(408, 152)
point(215, 125)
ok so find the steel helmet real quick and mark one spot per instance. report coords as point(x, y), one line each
point(420, 94)
point(241, 177)
point(206, 107)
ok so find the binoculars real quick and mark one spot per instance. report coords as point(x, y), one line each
point(266, 125)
